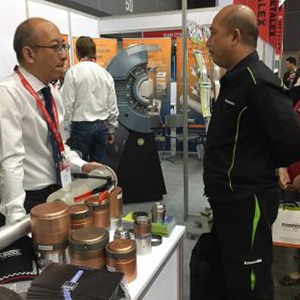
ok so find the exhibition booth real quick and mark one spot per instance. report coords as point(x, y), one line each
point(151, 85)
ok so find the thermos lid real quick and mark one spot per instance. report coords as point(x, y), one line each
point(50, 210)
point(121, 233)
point(158, 206)
point(142, 220)
point(121, 248)
point(80, 211)
point(95, 202)
point(90, 238)
point(116, 192)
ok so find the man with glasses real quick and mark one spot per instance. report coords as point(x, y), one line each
point(33, 157)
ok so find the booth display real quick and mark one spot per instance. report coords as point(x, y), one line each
point(139, 154)
point(150, 262)
point(160, 270)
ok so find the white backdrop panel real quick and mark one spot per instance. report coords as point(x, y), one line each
point(158, 21)
point(269, 56)
point(261, 48)
point(83, 25)
point(12, 13)
point(54, 14)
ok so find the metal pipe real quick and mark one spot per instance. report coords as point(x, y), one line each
point(185, 112)
point(14, 231)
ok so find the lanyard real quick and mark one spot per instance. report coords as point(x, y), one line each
point(53, 126)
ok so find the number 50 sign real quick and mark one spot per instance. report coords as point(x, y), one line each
point(129, 5)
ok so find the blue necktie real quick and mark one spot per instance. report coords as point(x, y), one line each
point(56, 154)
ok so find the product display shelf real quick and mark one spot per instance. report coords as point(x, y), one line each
point(160, 272)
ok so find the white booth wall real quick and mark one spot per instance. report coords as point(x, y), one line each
point(13, 12)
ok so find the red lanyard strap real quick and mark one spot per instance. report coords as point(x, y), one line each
point(52, 125)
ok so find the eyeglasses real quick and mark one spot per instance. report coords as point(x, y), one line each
point(59, 48)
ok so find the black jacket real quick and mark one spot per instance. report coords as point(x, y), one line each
point(253, 131)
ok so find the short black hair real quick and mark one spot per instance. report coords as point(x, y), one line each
point(86, 47)
point(24, 35)
point(291, 60)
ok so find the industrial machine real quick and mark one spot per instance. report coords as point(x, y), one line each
point(138, 167)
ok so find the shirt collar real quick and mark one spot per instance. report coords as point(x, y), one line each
point(36, 84)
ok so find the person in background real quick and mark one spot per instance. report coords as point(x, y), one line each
point(293, 73)
point(90, 101)
point(289, 181)
point(34, 159)
point(253, 131)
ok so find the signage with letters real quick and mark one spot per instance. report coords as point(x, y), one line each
point(280, 26)
point(273, 23)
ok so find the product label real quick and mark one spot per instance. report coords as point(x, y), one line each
point(45, 247)
point(111, 269)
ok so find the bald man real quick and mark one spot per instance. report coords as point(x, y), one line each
point(34, 160)
point(252, 132)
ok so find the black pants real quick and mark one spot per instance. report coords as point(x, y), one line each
point(237, 256)
point(34, 198)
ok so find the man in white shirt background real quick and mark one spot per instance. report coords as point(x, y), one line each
point(90, 101)
point(33, 157)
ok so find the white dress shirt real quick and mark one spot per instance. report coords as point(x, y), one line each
point(25, 149)
point(89, 94)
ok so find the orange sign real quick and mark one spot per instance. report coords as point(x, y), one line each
point(65, 38)
point(106, 49)
point(192, 76)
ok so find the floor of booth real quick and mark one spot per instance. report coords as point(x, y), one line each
point(284, 261)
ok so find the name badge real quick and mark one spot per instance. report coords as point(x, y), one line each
point(65, 172)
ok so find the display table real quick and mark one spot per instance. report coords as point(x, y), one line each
point(160, 273)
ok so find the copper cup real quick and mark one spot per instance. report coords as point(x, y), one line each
point(121, 256)
point(100, 211)
point(50, 226)
point(81, 216)
point(116, 202)
point(87, 247)
point(142, 231)
point(116, 208)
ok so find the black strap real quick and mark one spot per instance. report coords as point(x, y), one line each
point(156, 239)
point(55, 150)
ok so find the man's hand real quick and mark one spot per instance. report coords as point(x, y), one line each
point(284, 180)
point(90, 166)
point(110, 139)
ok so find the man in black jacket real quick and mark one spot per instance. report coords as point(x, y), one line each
point(252, 132)
point(293, 73)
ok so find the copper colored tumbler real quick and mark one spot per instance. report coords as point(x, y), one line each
point(100, 211)
point(116, 208)
point(87, 247)
point(121, 256)
point(81, 216)
point(50, 226)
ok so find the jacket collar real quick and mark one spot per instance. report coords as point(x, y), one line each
point(235, 72)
